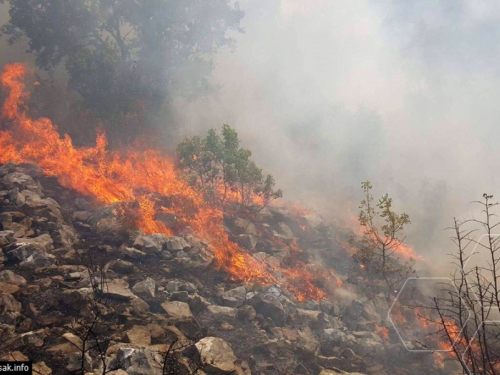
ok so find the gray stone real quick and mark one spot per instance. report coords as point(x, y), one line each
point(145, 287)
point(154, 243)
point(234, 297)
point(222, 312)
point(269, 307)
point(177, 244)
point(118, 289)
point(139, 361)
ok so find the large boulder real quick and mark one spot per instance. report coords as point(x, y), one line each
point(217, 355)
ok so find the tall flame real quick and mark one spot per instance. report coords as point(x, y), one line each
point(130, 176)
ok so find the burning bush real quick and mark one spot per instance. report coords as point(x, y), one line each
point(224, 173)
point(381, 242)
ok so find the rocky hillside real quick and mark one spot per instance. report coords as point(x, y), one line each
point(82, 290)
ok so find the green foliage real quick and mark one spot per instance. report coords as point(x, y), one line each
point(223, 171)
point(382, 237)
point(121, 52)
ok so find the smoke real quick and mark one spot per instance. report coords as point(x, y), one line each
point(331, 93)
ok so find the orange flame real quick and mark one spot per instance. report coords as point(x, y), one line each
point(405, 250)
point(113, 177)
point(383, 331)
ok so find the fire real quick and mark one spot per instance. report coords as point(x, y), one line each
point(135, 175)
point(406, 251)
point(383, 331)
point(422, 320)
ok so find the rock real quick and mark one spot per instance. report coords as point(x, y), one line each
point(8, 288)
point(246, 312)
point(121, 266)
point(73, 339)
point(138, 335)
point(21, 181)
point(83, 205)
point(10, 277)
point(5, 237)
point(217, 355)
point(180, 314)
point(327, 307)
point(219, 312)
point(234, 297)
point(310, 318)
point(118, 289)
point(181, 295)
point(154, 243)
point(139, 361)
point(82, 216)
point(14, 356)
point(370, 347)
point(40, 368)
point(285, 231)
point(308, 342)
point(38, 260)
point(247, 241)
point(138, 306)
point(198, 304)
point(10, 309)
point(43, 242)
point(177, 310)
point(241, 225)
point(177, 244)
point(132, 253)
point(145, 287)
point(188, 287)
point(270, 307)
point(173, 286)
point(270, 260)
point(181, 254)
point(75, 362)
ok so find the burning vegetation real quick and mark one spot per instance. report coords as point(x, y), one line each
point(223, 175)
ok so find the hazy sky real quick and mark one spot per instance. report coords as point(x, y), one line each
point(328, 93)
point(332, 93)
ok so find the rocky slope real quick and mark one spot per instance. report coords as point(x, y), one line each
point(80, 288)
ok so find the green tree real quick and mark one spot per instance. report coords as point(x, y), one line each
point(382, 237)
point(224, 172)
point(125, 54)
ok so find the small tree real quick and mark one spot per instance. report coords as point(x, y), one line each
point(382, 229)
point(468, 320)
point(223, 171)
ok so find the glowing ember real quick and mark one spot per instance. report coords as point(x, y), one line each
point(132, 176)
